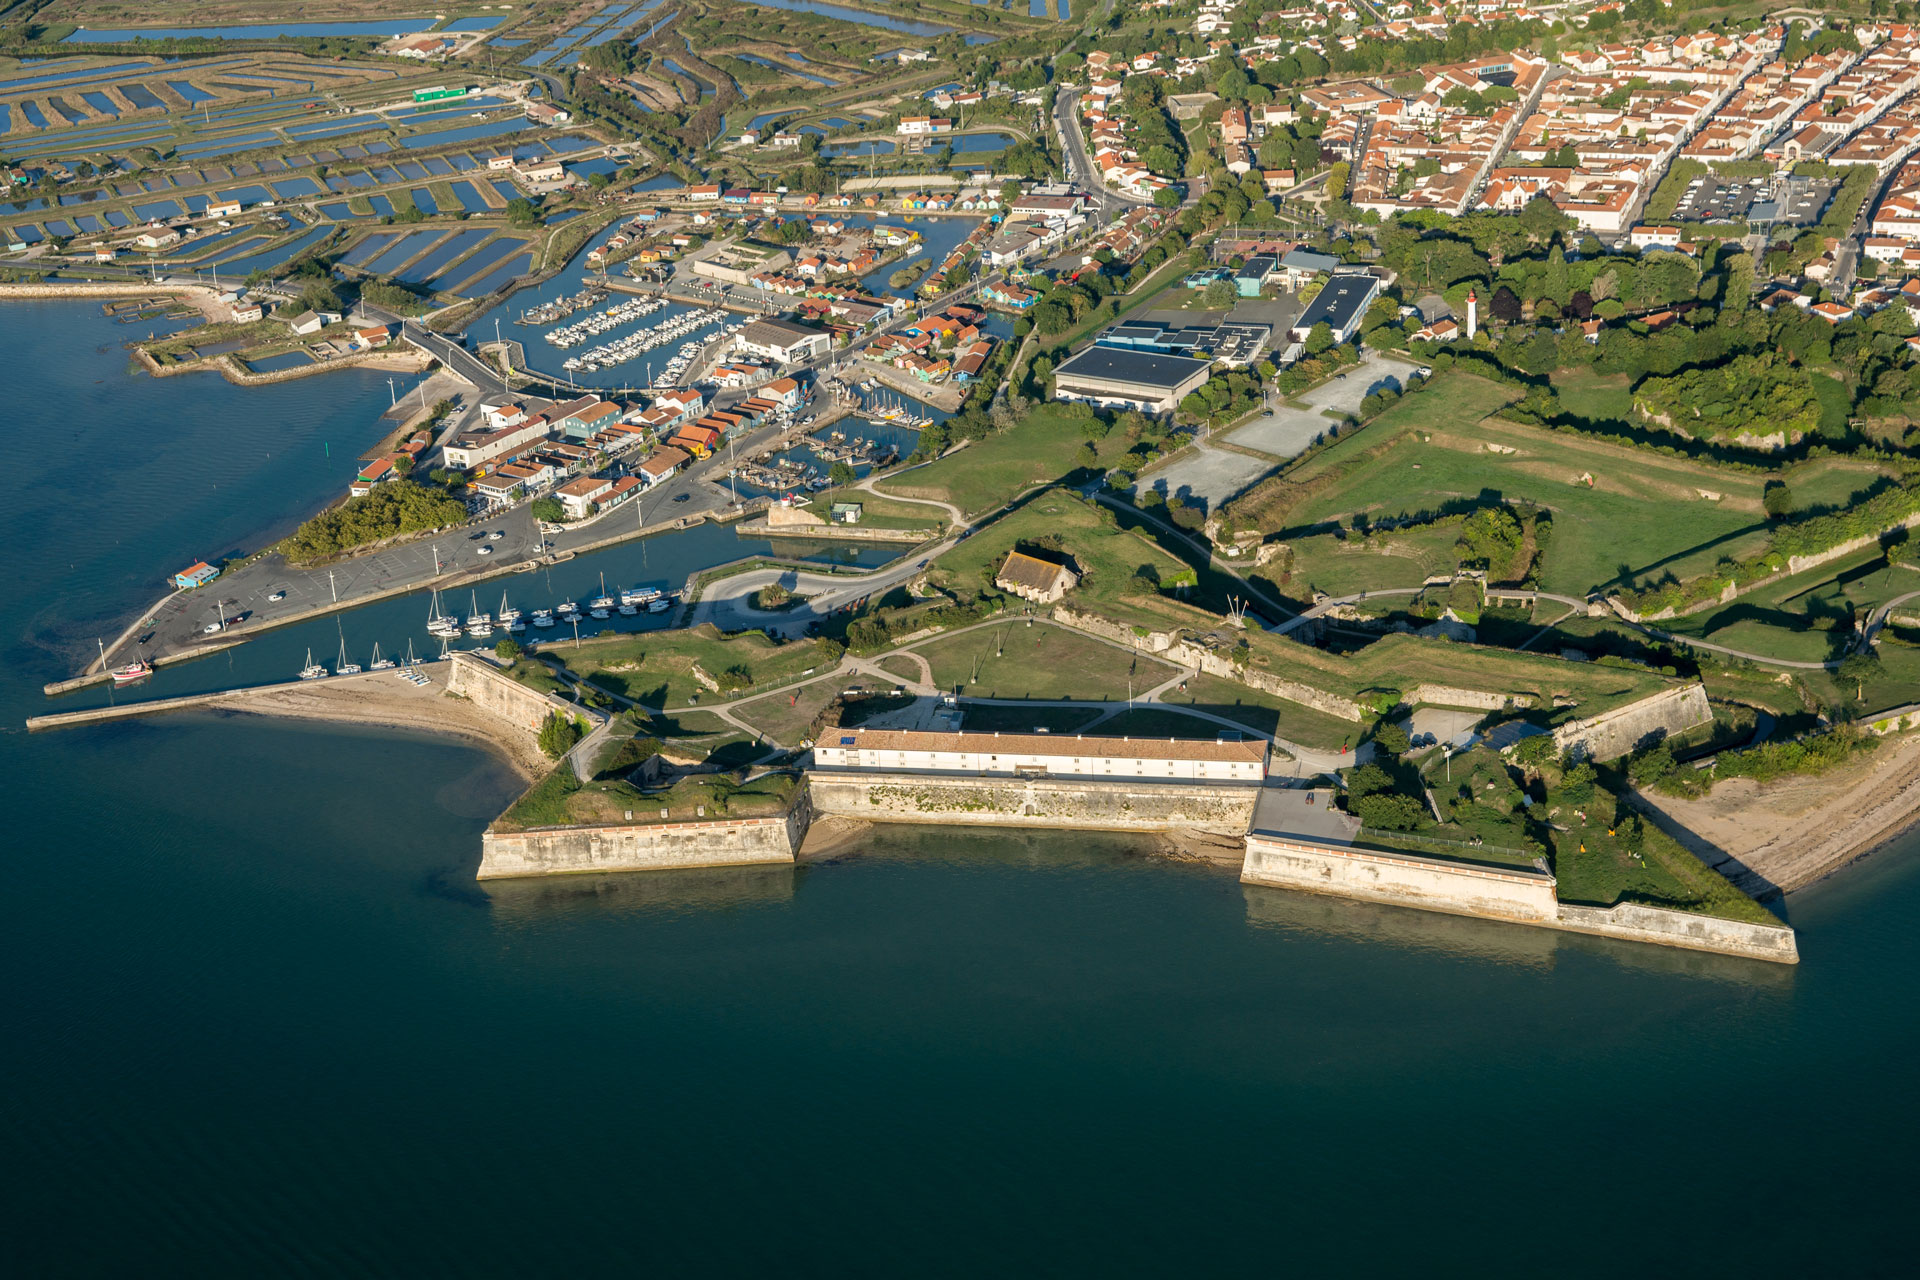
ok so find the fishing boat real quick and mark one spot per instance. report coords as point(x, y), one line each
point(379, 663)
point(138, 669)
point(313, 670)
point(346, 668)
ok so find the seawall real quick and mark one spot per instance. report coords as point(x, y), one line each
point(1637, 923)
point(1515, 895)
point(663, 846)
point(1089, 805)
point(1403, 879)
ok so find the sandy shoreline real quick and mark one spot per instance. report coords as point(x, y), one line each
point(406, 706)
point(1788, 834)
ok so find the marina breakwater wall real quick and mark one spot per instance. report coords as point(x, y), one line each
point(1074, 804)
point(664, 846)
point(1403, 879)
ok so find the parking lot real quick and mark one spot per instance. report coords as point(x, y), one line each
point(1207, 474)
point(1711, 199)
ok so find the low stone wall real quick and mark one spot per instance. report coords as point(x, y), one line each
point(1090, 805)
point(80, 289)
point(664, 846)
point(1612, 734)
point(494, 691)
point(848, 532)
point(1637, 923)
point(1445, 695)
point(1403, 879)
point(1170, 646)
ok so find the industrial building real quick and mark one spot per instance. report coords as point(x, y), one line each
point(1342, 304)
point(1115, 377)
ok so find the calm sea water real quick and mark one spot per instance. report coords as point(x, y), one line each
point(260, 1020)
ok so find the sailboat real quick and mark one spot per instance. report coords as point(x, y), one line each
point(601, 606)
point(478, 623)
point(313, 670)
point(510, 616)
point(438, 623)
point(379, 663)
point(346, 668)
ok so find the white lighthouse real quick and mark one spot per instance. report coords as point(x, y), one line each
point(1473, 314)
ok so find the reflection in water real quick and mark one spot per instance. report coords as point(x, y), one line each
point(544, 900)
point(1467, 938)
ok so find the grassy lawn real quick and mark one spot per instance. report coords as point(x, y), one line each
point(1401, 559)
point(1268, 714)
point(1800, 617)
point(1107, 556)
point(536, 674)
point(1596, 397)
point(1642, 516)
point(905, 668)
point(1044, 447)
point(656, 667)
point(786, 717)
point(1018, 660)
point(1836, 406)
point(1831, 482)
point(1595, 869)
point(550, 802)
point(878, 512)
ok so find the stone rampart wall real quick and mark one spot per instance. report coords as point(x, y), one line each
point(1171, 647)
point(977, 800)
point(1402, 879)
point(1637, 923)
point(492, 690)
point(1445, 695)
point(1612, 734)
point(661, 846)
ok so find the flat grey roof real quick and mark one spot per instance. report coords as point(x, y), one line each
point(1340, 303)
point(1142, 368)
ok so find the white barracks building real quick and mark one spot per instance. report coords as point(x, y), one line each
point(1043, 755)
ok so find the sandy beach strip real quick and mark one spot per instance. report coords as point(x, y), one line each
point(1787, 834)
point(400, 704)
